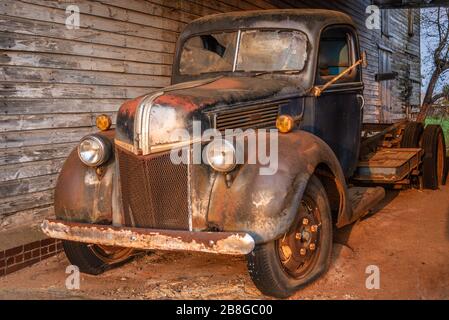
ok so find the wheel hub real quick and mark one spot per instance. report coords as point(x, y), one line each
point(298, 248)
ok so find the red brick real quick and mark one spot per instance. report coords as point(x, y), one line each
point(30, 262)
point(31, 246)
point(2, 272)
point(2, 254)
point(59, 245)
point(9, 261)
point(44, 250)
point(36, 253)
point(13, 251)
point(52, 248)
point(13, 268)
point(27, 255)
point(47, 242)
point(19, 258)
point(2, 263)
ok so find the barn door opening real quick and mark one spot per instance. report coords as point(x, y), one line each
point(385, 87)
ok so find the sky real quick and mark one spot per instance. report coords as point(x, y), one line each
point(428, 43)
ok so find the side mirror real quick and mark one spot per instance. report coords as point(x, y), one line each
point(364, 60)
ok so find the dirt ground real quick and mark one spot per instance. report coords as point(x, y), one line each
point(407, 238)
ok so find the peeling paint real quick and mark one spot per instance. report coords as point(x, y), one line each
point(262, 198)
point(148, 239)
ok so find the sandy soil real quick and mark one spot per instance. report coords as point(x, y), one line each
point(407, 238)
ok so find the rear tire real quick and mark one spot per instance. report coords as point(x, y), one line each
point(94, 259)
point(434, 166)
point(279, 268)
point(412, 135)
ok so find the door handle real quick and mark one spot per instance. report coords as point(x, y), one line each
point(362, 98)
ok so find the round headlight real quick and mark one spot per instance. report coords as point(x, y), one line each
point(94, 150)
point(220, 155)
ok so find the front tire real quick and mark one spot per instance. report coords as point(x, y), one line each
point(95, 259)
point(281, 267)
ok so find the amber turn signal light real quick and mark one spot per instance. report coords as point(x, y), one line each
point(103, 122)
point(285, 123)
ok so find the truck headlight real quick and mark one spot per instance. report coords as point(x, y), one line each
point(220, 155)
point(94, 150)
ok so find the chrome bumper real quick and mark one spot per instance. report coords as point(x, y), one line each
point(235, 243)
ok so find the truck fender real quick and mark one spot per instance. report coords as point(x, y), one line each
point(87, 194)
point(265, 205)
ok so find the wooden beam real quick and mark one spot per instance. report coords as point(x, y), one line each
point(403, 4)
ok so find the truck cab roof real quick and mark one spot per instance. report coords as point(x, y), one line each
point(310, 22)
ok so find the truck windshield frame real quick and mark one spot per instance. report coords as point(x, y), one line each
point(248, 50)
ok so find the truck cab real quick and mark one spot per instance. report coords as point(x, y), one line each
point(183, 170)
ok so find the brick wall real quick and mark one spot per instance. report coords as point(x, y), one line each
point(26, 255)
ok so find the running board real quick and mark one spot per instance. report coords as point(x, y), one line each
point(363, 200)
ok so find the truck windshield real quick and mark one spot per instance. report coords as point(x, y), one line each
point(248, 51)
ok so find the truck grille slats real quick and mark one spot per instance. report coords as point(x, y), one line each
point(260, 116)
point(154, 191)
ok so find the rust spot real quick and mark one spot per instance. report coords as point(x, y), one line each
point(129, 107)
point(225, 83)
point(234, 243)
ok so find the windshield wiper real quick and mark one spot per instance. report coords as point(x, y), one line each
point(277, 72)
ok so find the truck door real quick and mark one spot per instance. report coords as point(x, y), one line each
point(338, 111)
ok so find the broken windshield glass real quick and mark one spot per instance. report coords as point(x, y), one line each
point(258, 51)
point(208, 53)
point(272, 51)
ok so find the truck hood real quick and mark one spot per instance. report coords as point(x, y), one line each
point(175, 107)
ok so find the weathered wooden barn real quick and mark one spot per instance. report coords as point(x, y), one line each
point(56, 80)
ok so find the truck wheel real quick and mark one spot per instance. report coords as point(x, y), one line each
point(434, 160)
point(95, 259)
point(279, 268)
point(412, 135)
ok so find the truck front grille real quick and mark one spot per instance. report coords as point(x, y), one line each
point(260, 116)
point(154, 191)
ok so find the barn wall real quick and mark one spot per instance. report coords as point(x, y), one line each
point(54, 81)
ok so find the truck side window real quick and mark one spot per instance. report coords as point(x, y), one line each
point(336, 53)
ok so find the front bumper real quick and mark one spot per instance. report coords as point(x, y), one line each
point(235, 243)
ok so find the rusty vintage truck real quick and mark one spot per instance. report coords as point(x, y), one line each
point(297, 73)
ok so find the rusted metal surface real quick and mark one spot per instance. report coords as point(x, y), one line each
point(125, 120)
point(363, 199)
point(266, 205)
point(234, 243)
point(155, 191)
point(371, 143)
point(82, 194)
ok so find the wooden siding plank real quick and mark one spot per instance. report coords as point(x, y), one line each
point(47, 75)
point(30, 169)
point(14, 139)
point(35, 153)
point(49, 121)
point(27, 43)
point(57, 90)
point(59, 31)
point(70, 62)
point(116, 13)
point(9, 205)
point(63, 105)
point(36, 12)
